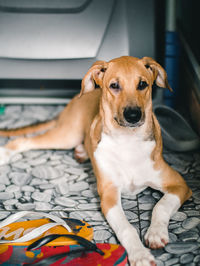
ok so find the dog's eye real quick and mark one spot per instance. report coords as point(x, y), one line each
point(142, 85)
point(115, 86)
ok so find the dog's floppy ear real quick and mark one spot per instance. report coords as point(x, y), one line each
point(94, 76)
point(159, 74)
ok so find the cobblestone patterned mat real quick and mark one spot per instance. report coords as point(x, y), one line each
point(53, 181)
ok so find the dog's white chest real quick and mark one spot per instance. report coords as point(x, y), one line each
point(126, 160)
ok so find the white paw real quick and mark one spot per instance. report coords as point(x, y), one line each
point(5, 155)
point(142, 257)
point(157, 236)
point(80, 153)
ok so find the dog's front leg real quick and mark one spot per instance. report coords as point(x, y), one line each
point(176, 192)
point(126, 233)
point(157, 234)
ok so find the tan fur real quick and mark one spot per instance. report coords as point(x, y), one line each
point(172, 181)
point(97, 111)
point(28, 129)
point(91, 112)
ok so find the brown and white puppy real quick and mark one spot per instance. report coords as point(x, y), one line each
point(115, 127)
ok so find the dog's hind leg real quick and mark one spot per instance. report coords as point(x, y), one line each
point(80, 153)
point(56, 138)
point(67, 132)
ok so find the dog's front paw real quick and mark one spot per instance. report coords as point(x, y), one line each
point(5, 155)
point(142, 257)
point(157, 236)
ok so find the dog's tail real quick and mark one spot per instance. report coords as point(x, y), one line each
point(43, 126)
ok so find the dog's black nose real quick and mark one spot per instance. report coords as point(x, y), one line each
point(132, 115)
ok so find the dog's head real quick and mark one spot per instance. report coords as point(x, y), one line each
point(126, 84)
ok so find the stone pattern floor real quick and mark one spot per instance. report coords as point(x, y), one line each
point(54, 182)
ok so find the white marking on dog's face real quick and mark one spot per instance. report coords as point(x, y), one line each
point(126, 161)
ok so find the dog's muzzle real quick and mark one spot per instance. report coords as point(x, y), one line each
point(132, 115)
